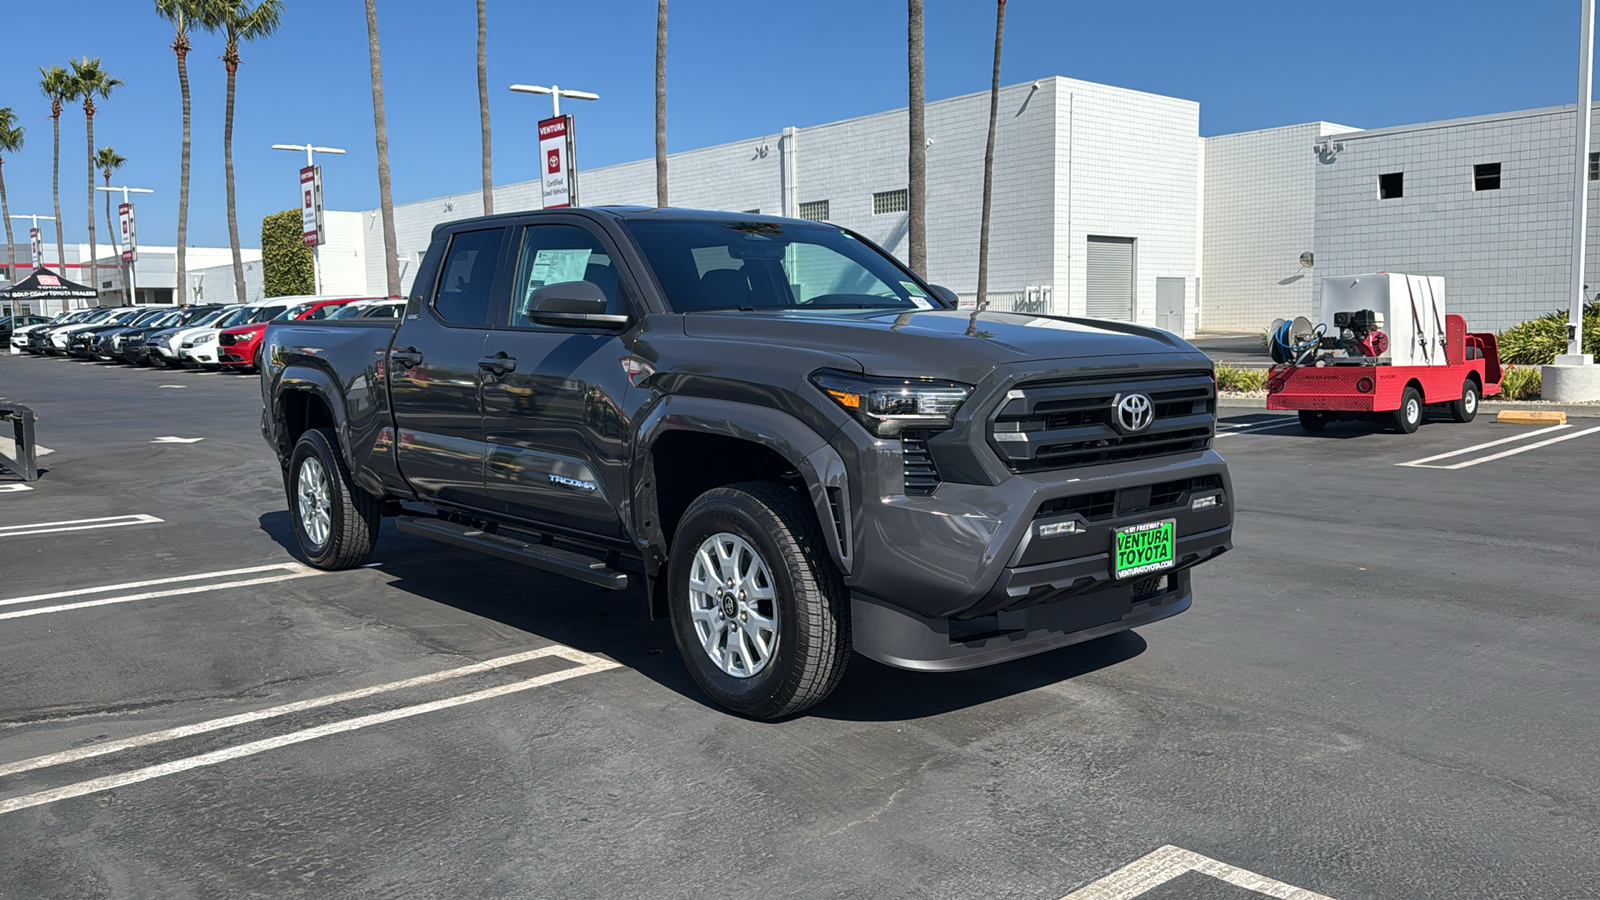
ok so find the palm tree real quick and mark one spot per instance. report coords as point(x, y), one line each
point(238, 20)
point(988, 162)
point(181, 13)
point(89, 81)
point(661, 102)
point(56, 83)
point(109, 160)
point(10, 142)
point(483, 108)
point(380, 128)
point(917, 162)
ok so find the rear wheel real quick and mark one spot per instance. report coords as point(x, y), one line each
point(760, 613)
point(1466, 409)
point(1408, 418)
point(335, 522)
point(1313, 420)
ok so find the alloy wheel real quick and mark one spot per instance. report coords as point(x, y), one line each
point(733, 605)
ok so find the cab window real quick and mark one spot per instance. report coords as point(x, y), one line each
point(552, 254)
point(467, 282)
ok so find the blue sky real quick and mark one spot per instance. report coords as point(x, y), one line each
point(737, 68)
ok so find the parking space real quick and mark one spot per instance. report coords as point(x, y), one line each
point(1385, 690)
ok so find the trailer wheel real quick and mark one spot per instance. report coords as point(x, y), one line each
point(1466, 409)
point(1312, 420)
point(1408, 418)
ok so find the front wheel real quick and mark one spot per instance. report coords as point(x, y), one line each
point(1408, 418)
point(335, 522)
point(760, 613)
point(1466, 409)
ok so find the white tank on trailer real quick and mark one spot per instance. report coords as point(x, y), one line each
point(1412, 307)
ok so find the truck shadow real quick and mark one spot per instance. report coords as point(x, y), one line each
point(615, 624)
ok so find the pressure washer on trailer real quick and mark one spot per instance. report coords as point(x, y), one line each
point(1361, 362)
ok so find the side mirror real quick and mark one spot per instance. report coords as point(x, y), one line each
point(945, 294)
point(572, 303)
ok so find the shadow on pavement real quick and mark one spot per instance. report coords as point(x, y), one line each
point(616, 624)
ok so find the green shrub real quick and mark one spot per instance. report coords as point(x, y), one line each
point(1537, 342)
point(1521, 383)
point(286, 267)
point(1235, 378)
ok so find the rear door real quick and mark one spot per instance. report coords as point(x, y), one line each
point(433, 370)
point(554, 416)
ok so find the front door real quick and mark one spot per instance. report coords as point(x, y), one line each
point(554, 419)
point(433, 372)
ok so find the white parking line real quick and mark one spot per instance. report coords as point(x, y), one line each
point(1161, 866)
point(1515, 450)
point(272, 712)
point(298, 572)
point(175, 440)
point(1269, 425)
point(8, 446)
point(77, 525)
point(175, 579)
point(1475, 447)
point(215, 757)
point(14, 488)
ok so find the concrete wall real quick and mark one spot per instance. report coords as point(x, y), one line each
point(1504, 254)
point(1260, 215)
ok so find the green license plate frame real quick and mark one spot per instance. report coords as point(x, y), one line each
point(1144, 548)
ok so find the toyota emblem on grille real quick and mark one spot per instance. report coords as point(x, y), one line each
point(1134, 413)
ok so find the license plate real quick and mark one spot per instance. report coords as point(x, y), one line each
point(1141, 549)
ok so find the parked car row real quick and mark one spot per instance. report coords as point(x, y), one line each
point(208, 337)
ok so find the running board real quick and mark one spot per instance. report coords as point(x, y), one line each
point(582, 568)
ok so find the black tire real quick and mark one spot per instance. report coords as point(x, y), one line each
point(352, 529)
point(812, 642)
point(1466, 409)
point(1408, 418)
point(1312, 420)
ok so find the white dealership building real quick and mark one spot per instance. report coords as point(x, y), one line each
point(1109, 203)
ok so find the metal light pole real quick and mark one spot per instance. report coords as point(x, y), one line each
point(132, 279)
point(556, 93)
point(316, 249)
point(1580, 195)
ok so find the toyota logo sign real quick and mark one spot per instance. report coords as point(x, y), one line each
point(1134, 413)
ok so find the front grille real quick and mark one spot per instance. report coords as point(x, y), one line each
point(1063, 424)
point(1129, 500)
point(228, 339)
point(921, 475)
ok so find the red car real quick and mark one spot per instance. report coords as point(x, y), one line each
point(239, 347)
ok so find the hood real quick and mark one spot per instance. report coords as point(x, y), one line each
point(946, 343)
point(246, 329)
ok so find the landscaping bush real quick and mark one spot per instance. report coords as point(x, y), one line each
point(1234, 378)
point(1537, 342)
point(1521, 382)
point(286, 269)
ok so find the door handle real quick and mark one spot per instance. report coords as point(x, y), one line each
point(407, 358)
point(498, 364)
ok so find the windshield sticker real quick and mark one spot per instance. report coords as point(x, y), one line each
point(557, 266)
point(913, 289)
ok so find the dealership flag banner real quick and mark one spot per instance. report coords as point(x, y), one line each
point(311, 206)
point(558, 172)
point(36, 241)
point(130, 248)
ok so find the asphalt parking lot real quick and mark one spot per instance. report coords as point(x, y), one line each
point(1386, 691)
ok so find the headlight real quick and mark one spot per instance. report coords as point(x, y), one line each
point(888, 406)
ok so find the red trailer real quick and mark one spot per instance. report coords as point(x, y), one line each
point(1360, 378)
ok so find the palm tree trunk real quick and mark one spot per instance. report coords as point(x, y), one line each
point(94, 256)
point(988, 162)
point(227, 164)
point(661, 102)
point(483, 108)
point(917, 162)
point(182, 282)
point(391, 262)
point(55, 195)
point(5, 213)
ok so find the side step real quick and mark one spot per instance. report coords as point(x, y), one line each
point(586, 569)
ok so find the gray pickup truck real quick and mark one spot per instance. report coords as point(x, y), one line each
point(796, 446)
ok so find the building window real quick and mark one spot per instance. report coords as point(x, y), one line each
point(1486, 177)
point(753, 212)
point(891, 202)
point(816, 210)
point(1594, 167)
point(1392, 186)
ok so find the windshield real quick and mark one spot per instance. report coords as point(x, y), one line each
point(236, 316)
point(770, 265)
point(148, 316)
point(210, 316)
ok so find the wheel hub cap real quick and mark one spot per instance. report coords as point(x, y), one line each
point(312, 501)
point(733, 605)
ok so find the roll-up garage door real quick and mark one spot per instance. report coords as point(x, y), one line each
point(1110, 272)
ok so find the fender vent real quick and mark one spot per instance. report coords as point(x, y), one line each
point(921, 475)
point(836, 509)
